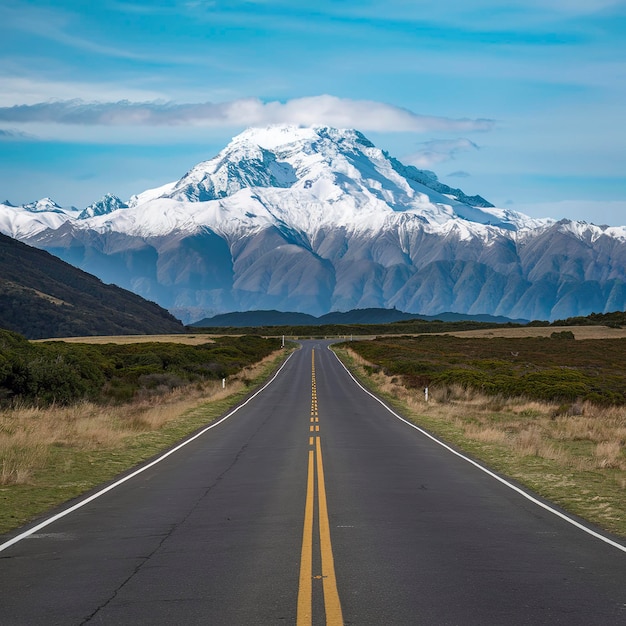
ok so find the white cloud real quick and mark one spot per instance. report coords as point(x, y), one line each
point(323, 110)
point(439, 151)
point(8, 134)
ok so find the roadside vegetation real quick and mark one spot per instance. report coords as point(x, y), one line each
point(557, 368)
point(345, 330)
point(616, 320)
point(549, 412)
point(60, 373)
point(85, 413)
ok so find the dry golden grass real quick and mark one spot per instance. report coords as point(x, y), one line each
point(29, 435)
point(525, 427)
point(192, 340)
point(580, 332)
point(576, 459)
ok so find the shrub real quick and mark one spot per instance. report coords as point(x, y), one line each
point(541, 368)
point(63, 373)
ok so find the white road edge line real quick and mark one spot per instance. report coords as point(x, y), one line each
point(117, 483)
point(526, 495)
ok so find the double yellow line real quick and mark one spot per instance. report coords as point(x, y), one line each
point(332, 605)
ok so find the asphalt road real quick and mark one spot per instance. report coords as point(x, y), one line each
point(312, 504)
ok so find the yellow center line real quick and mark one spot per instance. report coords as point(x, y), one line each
point(305, 588)
point(334, 616)
point(332, 604)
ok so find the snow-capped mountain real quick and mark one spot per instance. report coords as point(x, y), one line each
point(319, 219)
point(29, 219)
point(105, 205)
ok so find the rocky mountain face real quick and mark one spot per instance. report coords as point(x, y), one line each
point(315, 220)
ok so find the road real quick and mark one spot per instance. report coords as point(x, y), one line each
point(311, 504)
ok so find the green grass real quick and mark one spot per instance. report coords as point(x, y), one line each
point(70, 472)
point(543, 368)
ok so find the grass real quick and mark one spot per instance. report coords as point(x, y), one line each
point(575, 457)
point(580, 332)
point(191, 340)
point(558, 367)
point(571, 453)
point(49, 456)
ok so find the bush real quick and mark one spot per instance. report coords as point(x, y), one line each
point(63, 373)
point(552, 369)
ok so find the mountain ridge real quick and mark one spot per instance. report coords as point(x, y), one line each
point(316, 219)
point(355, 316)
point(42, 297)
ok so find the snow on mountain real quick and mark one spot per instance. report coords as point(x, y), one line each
point(150, 194)
point(46, 205)
point(29, 219)
point(104, 206)
point(304, 177)
point(318, 219)
point(307, 178)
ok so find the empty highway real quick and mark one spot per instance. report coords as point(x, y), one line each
point(311, 504)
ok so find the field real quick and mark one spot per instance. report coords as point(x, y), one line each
point(580, 332)
point(564, 437)
point(543, 405)
point(117, 371)
point(555, 368)
point(51, 454)
point(189, 340)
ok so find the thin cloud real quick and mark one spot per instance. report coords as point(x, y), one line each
point(578, 7)
point(324, 110)
point(459, 174)
point(17, 86)
point(439, 151)
point(7, 134)
point(61, 26)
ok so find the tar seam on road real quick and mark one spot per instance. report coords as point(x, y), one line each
point(332, 604)
point(119, 482)
point(505, 482)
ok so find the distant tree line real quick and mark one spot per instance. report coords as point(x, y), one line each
point(342, 330)
point(556, 368)
point(63, 373)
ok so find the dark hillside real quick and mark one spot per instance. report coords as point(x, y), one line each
point(41, 296)
point(258, 319)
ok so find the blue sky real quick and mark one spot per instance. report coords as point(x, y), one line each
point(522, 102)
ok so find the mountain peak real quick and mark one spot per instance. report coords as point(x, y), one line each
point(107, 204)
point(276, 156)
point(275, 136)
point(315, 219)
point(45, 204)
point(337, 174)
